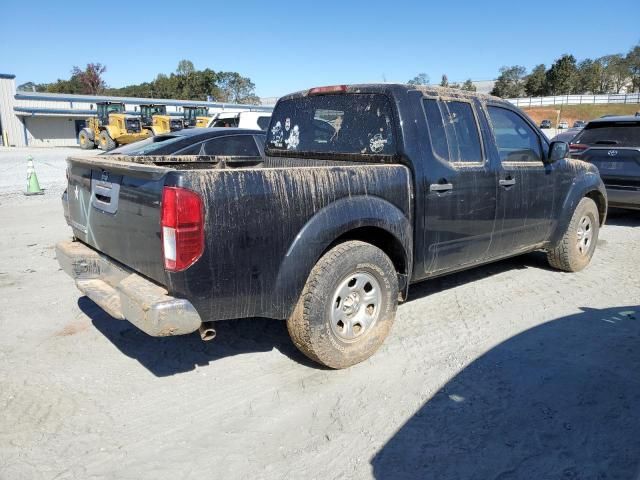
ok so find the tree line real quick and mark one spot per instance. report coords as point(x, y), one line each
point(607, 74)
point(185, 83)
point(423, 79)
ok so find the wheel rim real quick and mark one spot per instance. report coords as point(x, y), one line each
point(355, 306)
point(585, 234)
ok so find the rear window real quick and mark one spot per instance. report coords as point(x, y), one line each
point(147, 146)
point(338, 124)
point(622, 134)
point(263, 122)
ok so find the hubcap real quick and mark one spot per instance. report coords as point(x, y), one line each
point(355, 306)
point(584, 234)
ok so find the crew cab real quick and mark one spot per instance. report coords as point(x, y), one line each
point(363, 190)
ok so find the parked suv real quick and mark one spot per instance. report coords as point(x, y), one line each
point(545, 124)
point(612, 144)
point(364, 190)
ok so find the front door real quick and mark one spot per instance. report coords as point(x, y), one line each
point(460, 211)
point(527, 190)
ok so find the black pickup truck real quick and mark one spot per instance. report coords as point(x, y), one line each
point(363, 190)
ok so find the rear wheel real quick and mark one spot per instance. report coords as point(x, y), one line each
point(575, 249)
point(347, 307)
point(85, 141)
point(106, 142)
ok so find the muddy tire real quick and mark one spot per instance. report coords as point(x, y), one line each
point(575, 249)
point(347, 307)
point(85, 141)
point(106, 142)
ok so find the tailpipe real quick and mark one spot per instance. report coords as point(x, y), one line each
point(207, 332)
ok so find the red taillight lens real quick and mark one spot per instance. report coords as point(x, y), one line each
point(577, 147)
point(182, 228)
point(330, 89)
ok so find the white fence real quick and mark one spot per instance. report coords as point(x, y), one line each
point(576, 99)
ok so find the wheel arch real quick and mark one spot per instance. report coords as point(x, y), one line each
point(369, 219)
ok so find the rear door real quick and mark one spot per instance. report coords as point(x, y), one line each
point(526, 186)
point(460, 192)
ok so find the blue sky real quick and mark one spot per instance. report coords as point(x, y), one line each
point(287, 46)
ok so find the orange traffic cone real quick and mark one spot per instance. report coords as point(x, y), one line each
point(33, 186)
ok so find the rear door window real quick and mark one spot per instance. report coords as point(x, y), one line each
point(515, 139)
point(619, 134)
point(360, 124)
point(235, 145)
point(453, 131)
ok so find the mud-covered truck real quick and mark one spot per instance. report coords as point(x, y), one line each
point(363, 190)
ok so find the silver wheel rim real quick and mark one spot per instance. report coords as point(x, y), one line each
point(355, 306)
point(585, 234)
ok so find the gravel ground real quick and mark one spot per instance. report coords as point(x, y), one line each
point(511, 370)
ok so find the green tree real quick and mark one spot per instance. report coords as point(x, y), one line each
point(510, 82)
point(562, 77)
point(91, 78)
point(236, 88)
point(444, 82)
point(633, 61)
point(420, 79)
point(468, 86)
point(535, 84)
point(618, 71)
point(589, 73)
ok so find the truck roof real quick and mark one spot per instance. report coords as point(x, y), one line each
point(390, 88)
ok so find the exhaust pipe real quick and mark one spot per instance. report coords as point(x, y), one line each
point(207, 332)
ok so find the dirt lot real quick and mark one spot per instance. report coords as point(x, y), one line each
point(506, 371)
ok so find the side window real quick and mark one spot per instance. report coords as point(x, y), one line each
point(436, 129)
point(263, 122)
point(515, 139)
point(462, 132)
point(453, 131)
point(240, 145)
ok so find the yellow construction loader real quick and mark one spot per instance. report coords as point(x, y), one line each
point(111, 127)
point(155, 119)
point(195, 116)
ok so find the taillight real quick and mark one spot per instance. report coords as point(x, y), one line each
point(330, 89)
point(577, 147)
point(182, 224)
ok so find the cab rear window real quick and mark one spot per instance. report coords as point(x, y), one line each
point(336, 124)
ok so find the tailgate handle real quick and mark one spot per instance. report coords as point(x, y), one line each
point(104, 195)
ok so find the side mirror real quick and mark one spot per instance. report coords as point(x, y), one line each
point(557, 151)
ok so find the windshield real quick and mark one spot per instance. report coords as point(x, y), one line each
point(147, 146)
point(115, 107)
point(622, 134)
point(341, 124)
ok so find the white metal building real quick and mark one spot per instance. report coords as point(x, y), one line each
point(53, 119)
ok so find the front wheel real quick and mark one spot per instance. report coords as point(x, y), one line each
point(85, 141)
point(575, 249)
point(106, 142)
point(347, 307)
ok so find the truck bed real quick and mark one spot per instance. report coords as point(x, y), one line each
point(255, 212)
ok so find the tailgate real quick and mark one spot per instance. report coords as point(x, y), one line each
point(114, 206)
point(617, 166)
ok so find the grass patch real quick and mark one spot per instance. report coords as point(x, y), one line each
point(571, 113)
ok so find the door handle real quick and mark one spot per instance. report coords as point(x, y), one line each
point(507, 182)
point(440, 187)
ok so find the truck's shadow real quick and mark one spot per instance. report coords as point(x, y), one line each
point(173, 355)
point(623, 218)
point(561, 400)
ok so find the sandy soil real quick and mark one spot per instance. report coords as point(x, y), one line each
point(506, 371)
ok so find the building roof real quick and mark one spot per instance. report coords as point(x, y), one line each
point(67, 97)
point(7, 76)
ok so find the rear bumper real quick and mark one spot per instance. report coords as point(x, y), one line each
point(124, 294)
point(623, 197)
